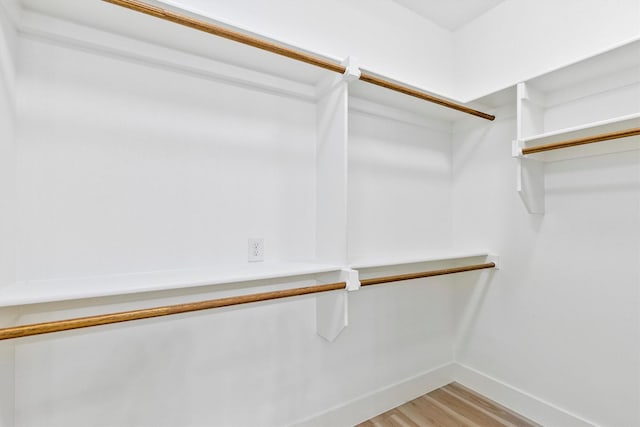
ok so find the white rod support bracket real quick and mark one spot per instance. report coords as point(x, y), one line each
point(332, 314)
point(351, 277)
point(332, 308)
point(516, 148)
point(530, 184)
point(352, 71)
point(494, 259)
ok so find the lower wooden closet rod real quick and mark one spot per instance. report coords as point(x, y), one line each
point(236, 36)
point(126, 316)
point(409, 276)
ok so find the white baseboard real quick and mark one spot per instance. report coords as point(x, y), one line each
point(379, 401)
point(517, 400)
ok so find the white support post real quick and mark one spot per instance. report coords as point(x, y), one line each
point(331, 220)
point(530, 173)
point(331, 174)
point(530, 111)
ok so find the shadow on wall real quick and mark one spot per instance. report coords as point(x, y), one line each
point(475, 292)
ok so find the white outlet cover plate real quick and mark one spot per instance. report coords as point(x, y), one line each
point(256, 250)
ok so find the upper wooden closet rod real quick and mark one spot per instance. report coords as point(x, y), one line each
point(217, 30)
point(581, 141)
point(126, 316)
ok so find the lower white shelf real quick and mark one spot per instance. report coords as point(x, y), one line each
point(42, 291)
point(361, 264)
point(331, 307)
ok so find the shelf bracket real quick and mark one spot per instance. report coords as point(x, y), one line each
point(351, 277)
point(332, 314)
point(530, 184)
point(494, 259)
point(352, 71)
point(530, 179)
point(516, 148)
point(332, 309)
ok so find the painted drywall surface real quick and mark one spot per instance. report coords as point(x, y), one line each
point(7, 207)
point(7, 245)
point(560, 319)
point(7, 372)
point(385, 37)
point(126, 168)
point(7, 149)
point(399, 186)
point(207, 368)
point(521, 39)
point(8, 42)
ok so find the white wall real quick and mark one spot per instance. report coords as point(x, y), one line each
point(560, 320)
point(127, 168)
point(207, 368)
point(386, 37)
point(7, 203)
point(7, 147)
point(399, 188)
point(521, 39)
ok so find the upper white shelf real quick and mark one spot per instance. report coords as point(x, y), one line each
point(625, 56)
point(116, 31)
point(590, 129)
point(135, 26)
point(35, 292)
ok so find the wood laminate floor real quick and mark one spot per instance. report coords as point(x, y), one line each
point(449, 406)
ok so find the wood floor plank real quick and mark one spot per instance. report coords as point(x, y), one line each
point(450, 406)
point(392, 418)
point(435, 415)
point(412, 412)
point(398, 419)
point(466, 409)
point(489, 405)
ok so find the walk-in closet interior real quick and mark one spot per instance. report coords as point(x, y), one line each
point(309, 213)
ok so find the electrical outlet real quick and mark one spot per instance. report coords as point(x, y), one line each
point(256, 250)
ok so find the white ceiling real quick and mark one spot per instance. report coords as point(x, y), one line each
point(449, 14)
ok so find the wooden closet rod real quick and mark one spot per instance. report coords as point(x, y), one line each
point(126, 316)
point(581, 141)
point(220, 31)
point(400, 277)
